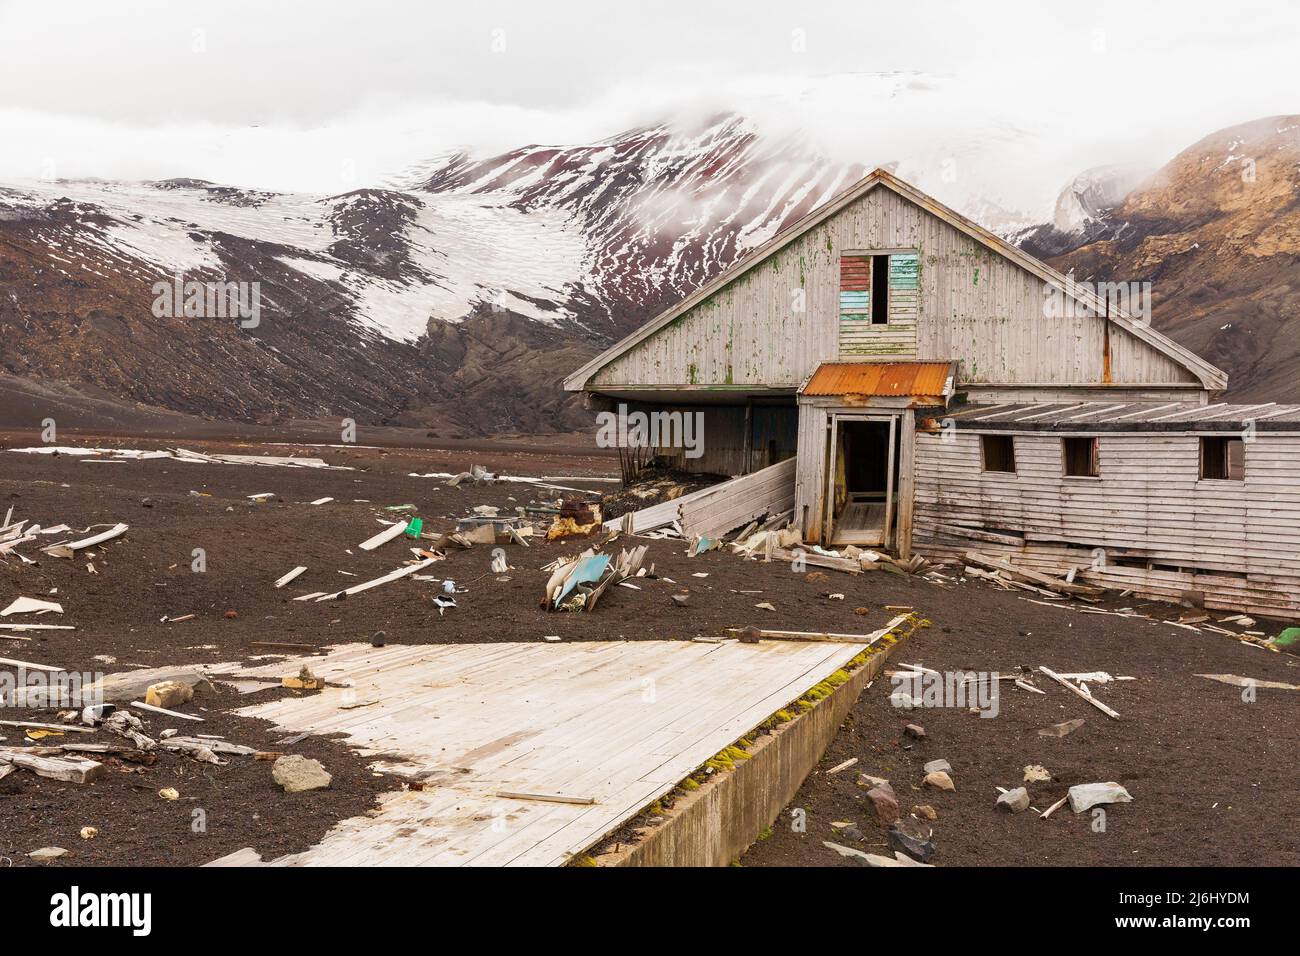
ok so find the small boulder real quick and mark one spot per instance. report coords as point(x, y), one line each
point(48, 853)
point(1086, 795)
point(939, 780)
point(296, 774)
point(1014, 801)
point(169, 793)
point(168, 694)
point(868, 781)
point(885, 803)
point(907, 836)
point(938, 766)
point(915, 731)
point(924, 811)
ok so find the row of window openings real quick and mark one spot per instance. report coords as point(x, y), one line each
point(1222, 459)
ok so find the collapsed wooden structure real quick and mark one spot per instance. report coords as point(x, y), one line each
point(937, 388)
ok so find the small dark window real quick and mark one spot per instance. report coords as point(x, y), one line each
point(879, 290)
point(999, 452)
point(1223, 459)
point(1080, 457)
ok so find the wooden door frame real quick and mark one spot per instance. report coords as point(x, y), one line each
point(897, 433)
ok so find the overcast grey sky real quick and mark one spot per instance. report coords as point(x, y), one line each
point(284, 94)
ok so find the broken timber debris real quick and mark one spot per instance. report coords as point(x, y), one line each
point(290, 576)
point(1019, 575)
point(388, 534)
point(1079, 692)
point(69, 548)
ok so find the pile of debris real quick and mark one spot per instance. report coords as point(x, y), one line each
point(14, 534)
point(1008, 576)
point(576, 584)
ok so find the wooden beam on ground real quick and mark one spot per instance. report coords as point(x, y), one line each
point(162, 710)
point(66, 769)
point(827, 636)
point(388, 534)
point(1077, 691)
point(291, 575)
point(37, 725)
point(547, 797)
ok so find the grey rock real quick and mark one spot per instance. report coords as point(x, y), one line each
point(1086, 795)
point(938, 766)
point(1014, 801)
point(861, 858)
point(296, 774)
point(48, 853)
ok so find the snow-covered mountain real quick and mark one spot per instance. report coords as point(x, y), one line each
point(440, 303)
point(453, 298)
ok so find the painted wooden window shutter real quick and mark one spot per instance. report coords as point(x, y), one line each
point(904, 286)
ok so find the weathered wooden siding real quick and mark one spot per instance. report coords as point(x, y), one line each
point(810, 475)
point(775, 323)
point(1163, 530)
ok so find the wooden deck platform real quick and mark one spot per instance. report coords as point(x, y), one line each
point(599, 729)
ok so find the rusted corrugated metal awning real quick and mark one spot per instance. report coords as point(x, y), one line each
point(881, 379)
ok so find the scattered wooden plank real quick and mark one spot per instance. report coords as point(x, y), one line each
point(388, 534)
point(28, 665)
point(547, 797)
point(390, 576)
point(290, 576)
point(26, 605)
point(162, 710)
point(68, 548)
point(827, 636)
point(1054, 807)
point(842, 766)
point(1078, 692)
point(37, 725)
point(66, 769)
point(1238, 681)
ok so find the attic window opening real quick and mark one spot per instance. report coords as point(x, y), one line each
point(1223, 459)
point(880, 290)
point(1080, 457)
point(999, 453)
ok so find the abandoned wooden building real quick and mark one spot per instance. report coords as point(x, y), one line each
point(944, 391)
